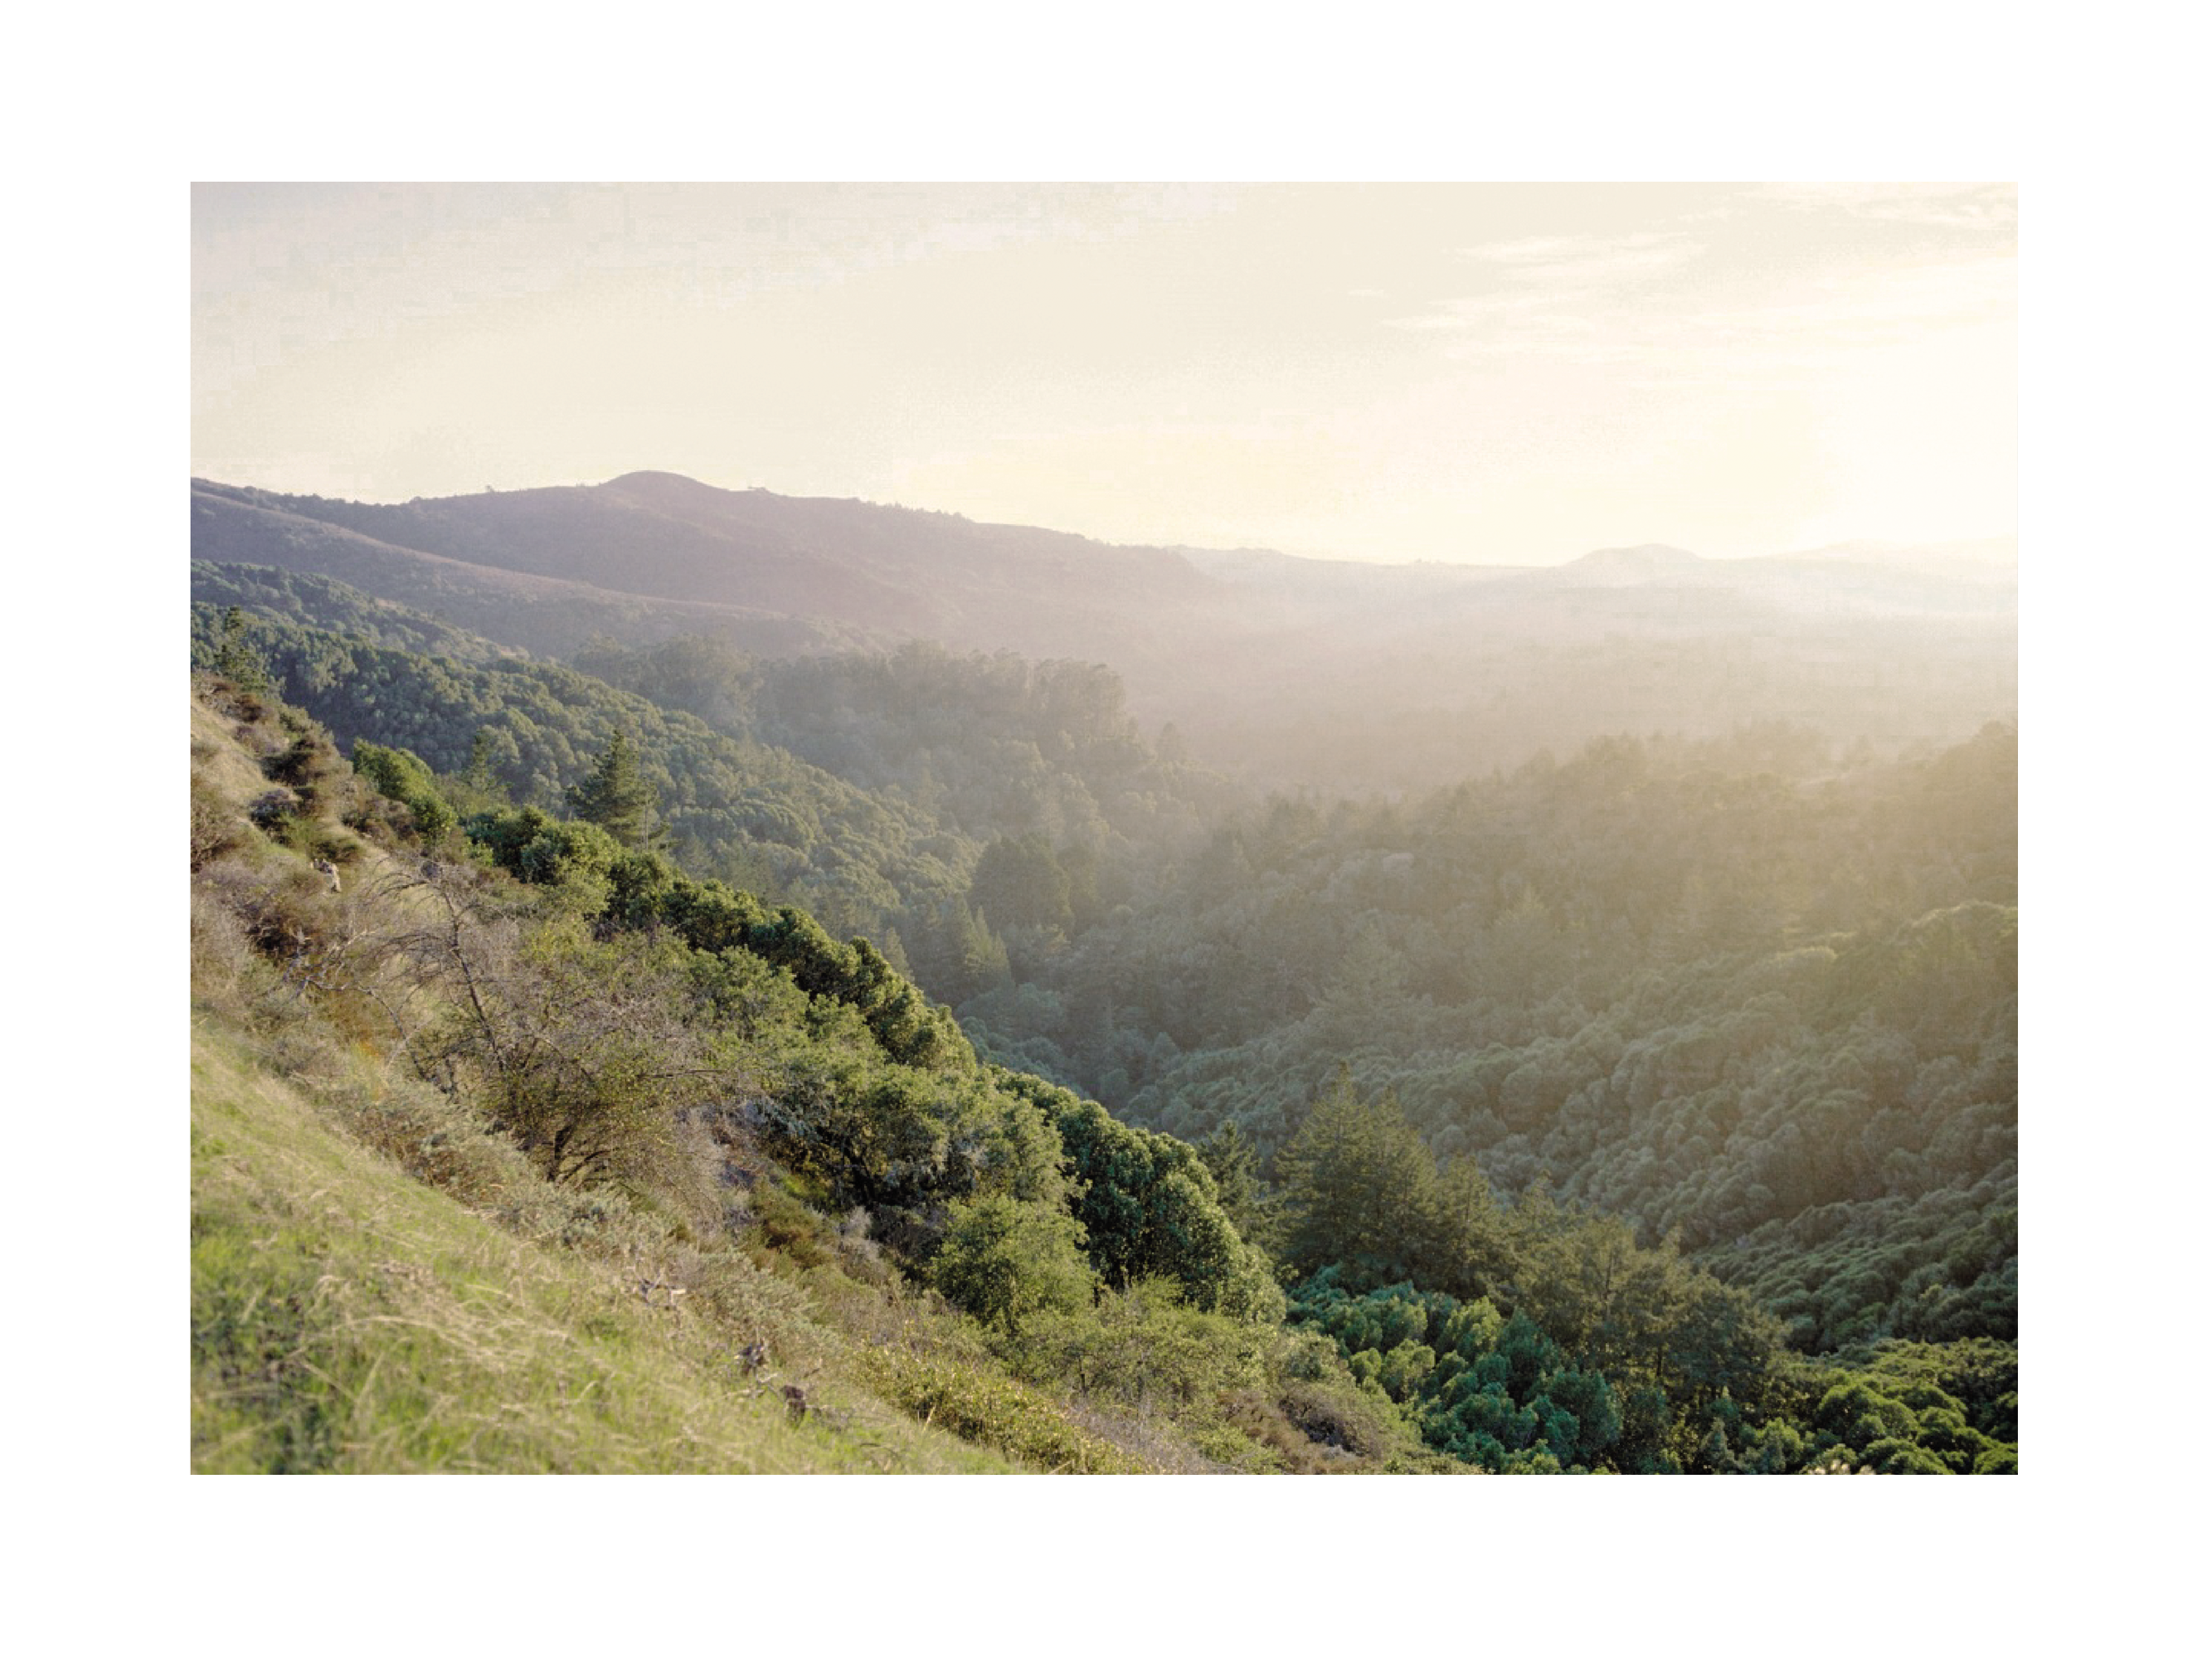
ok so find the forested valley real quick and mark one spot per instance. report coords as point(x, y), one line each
point(1001, 1084)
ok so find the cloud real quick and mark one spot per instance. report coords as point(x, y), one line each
point(1663, 304)
point(1884, 302)
point(1586, 262)
point(1957, 206)
point(1542, 287)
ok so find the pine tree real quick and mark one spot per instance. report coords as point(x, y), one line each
point(479, 775)
point(1359, 1189)
point(237, 662)
point(1234, 1162)
point(617, 796)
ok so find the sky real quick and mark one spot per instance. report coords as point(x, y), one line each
point(1501, 373)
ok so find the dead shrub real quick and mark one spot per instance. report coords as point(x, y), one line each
point(227, 970)
point(270, 810)
point(859, 1255)
point(216, 827)
point(434, 1138)
point(1262, 1420)
point(1336, 1417)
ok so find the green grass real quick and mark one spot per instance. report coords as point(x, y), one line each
point(347, 1318)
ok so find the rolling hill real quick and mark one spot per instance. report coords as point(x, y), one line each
point(1291, 671)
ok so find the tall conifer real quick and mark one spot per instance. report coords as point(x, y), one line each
point(617, 796)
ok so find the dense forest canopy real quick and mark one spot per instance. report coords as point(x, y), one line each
point(1648, 1104)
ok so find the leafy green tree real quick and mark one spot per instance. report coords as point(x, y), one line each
point(531, 843)
point(577, 1047)
point(1148, 1207)
point(1899, 1456)
point(1004, 1261)
point(1860, 1415)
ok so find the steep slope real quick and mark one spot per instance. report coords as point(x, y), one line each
point(350, 1319)
point(379, 1284)
point(488, 1177)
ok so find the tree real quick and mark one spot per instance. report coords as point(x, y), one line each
point(237, 662)
point(1234, 1162)
point(576, 1048)
point(481, 776)
point(1148, 1208)
point(617, 797)
point(1359, 1189)
point(1004, 1261)
point(1471, 1254)
point(1019, 884)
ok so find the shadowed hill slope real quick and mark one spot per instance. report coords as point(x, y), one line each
point(530, 612)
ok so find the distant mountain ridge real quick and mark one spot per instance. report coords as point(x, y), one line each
point(1610, 567)
point(1292, 668)
point(547, 614)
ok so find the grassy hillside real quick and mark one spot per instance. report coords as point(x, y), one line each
point(396, 1266)
point(381, 1284)
point(349, 1318)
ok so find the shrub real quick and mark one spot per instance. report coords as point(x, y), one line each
point(434, 1137)
point(224, 965)
point(401, 775)
point(787, 1226)
point(1339, 1414)
point(215, 826)
point(1144, 1347)
point(993, 1410)
point(549, 852)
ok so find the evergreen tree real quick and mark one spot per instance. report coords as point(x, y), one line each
point(1359, 1189)
point(617, 797)
point(1234, 1162)
point(1019, 884)
point(1470, 1254)
point(480, 777)
point(237, 662)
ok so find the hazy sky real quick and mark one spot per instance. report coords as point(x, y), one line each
point(1491, 372)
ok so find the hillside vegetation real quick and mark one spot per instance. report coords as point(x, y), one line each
point(1735, 993)
point(524, 1141)
point(914, 796)
point(485, 1179)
